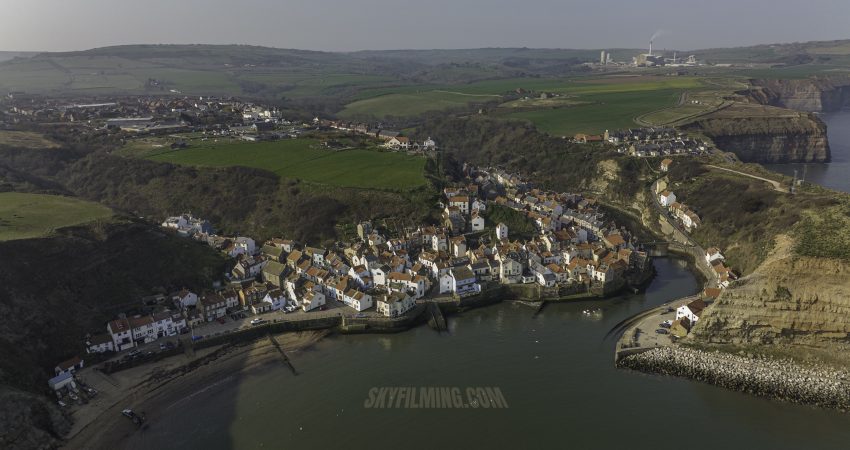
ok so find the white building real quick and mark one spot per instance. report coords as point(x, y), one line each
point(100, 344)
point(460, 281)
point(276, 298)
point(713, 254)
point(312, 299)
point(429, 144)
point(666, 198)
point(692, 311)
point(395, 304)
point(509, 271)
point(185, 299)
point(357, 300)
point(501, 231)
point(476, 222)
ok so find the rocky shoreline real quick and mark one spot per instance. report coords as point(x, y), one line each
point(779, 379)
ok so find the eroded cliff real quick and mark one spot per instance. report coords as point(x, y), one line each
point(791, 303)
point(766, 134)
point(822, 94)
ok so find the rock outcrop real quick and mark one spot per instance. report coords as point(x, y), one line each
point(822, 94)
point(798, 303)
point(764, 138)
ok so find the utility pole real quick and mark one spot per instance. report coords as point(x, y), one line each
point(794, 183)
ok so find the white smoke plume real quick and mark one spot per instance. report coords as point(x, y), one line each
point(658, 34)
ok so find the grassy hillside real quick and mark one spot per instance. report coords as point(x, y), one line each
point(85, 276)
point(25, 139)
point(33, 215)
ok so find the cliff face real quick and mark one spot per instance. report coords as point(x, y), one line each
point(768, 139)
point(800, 301)
point(812, 94)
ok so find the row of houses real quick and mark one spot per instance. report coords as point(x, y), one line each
point(391, 138)
point(127, 332)
point(689, 219)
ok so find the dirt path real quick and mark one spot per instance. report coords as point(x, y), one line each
point(777, 186)
point(465, 94)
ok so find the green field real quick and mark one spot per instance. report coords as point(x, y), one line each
point(413, 103)
point(303, 159)
point(588, 104)
point(26, 139)
point(25, 216)
point(605, 112)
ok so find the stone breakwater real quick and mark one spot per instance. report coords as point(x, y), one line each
point(774, 378)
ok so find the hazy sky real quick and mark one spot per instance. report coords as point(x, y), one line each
point(392, 24)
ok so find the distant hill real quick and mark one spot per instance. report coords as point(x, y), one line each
point(5, 56)
point(831, 52)
point(269, 72)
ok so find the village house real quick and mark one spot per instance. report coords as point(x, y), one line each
point(460, 281)
point(69, 366)
point(461, 202)
point(692, 311)
point(311, 299)
point(185, 299)
point(666, 198)
point(122, 335)
point(100, 343)
point(261, 307)
point(398, 142)
point(212, 306)
point(395, 304)
point(501, 231)
point(276, 298)
point(665, 164)
point(142, 328)
point(357, 300)
point(275, 273)
point(713, 254)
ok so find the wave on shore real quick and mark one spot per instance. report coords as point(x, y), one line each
point(773, 378)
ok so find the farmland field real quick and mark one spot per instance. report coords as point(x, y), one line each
point(303, 159)
point(587, 104)
point(413, 103)
point(605, 112)
point(25, 216)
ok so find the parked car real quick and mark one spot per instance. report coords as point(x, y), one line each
point(222, 320)
point(257, 321)
point(134, 353)
point(661, 331)
point(162, 346)
point(61, 403)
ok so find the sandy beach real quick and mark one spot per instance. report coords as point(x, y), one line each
point(153, 387)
